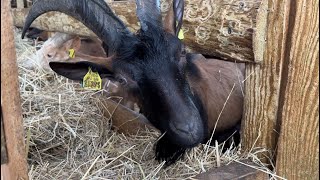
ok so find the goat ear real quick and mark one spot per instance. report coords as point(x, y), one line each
point(77, 70)
point(169, 22)
point(74, 43)
point(174, 17)
point(148, 12)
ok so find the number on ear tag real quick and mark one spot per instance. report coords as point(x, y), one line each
point(92, 80)
point(71, 53)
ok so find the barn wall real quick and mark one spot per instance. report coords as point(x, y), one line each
point(298, 115)
point(282, 94)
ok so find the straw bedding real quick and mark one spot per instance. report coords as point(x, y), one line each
point(67, 136)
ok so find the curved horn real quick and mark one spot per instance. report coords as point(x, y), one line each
point(148, 12)
point(95, 14)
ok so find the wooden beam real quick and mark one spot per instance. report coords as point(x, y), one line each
point(213, 28)
point(298, 145)
point(234, 171)
point(10, 99)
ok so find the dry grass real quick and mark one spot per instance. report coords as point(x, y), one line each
point(69, 138)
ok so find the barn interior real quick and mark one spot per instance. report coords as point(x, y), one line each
point(69, 131)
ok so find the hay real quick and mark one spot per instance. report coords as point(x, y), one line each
point(68, 137)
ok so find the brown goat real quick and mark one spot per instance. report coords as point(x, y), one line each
point(56, 48)
point(186, 97)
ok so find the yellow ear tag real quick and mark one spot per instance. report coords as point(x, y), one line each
point(181, 35)
point(71, 53)
point(92, 80)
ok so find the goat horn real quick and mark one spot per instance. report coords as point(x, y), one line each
point(95, 14)
point(148, 12)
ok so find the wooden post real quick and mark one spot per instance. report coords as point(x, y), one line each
point(298, 115)
point(16, 168)
point(259, 125)
point(281, 107)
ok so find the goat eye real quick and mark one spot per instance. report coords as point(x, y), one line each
point(122, 80)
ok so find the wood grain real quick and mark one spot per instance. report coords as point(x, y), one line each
point(262, 86)
point(298, 145)
point(218, 28)
point(4, 156)
point(281, 102)
point(20, 4)
point(10, 98)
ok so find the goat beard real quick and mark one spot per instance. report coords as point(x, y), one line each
point(167, 151)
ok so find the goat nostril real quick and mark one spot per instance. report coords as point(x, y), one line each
point(184, 128)
point(49, 55)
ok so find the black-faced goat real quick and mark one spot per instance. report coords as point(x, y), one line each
point(185, 97)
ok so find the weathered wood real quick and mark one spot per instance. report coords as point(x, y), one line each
point(20, 4)
point(234, 171)
point(298, 145)
point(221, 28)
point(4, 156)
point(283, 90)
point(218, 28)
point(123, 119)
point(28, 3)
point(5, 173)
point(259, 125)
point(10, 98)
point(260, 32)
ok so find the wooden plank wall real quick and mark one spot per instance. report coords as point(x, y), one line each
point(282, 94)
point(298, 115)
point(16, 168)
point(262, 86)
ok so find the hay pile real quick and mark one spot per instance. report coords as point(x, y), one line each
point(68, 137)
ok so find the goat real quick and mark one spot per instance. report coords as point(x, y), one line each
point(182, 96)
point(57, 48)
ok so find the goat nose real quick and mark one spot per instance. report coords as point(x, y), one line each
point(187, 133)
point(185, 127)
